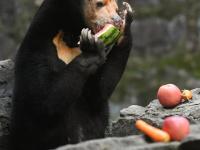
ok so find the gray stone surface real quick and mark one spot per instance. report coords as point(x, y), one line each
point(154, 113)
point(139, 142)
point(126, 143)
point(192, 142)
point(7, 9)
point(166, 34)
point(6, 84)
point(6, 78)
point(15, 16)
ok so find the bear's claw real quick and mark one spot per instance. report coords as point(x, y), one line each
point(90, 43)
point(128, 12)
point(128, 7)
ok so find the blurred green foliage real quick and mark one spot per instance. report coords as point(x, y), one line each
point(144, 74)
point(26, 10)
point(167, 9)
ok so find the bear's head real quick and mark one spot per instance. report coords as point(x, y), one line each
point(98, 13)
point(92, 14)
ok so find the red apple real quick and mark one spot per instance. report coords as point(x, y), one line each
point(178, 127)
point(169, 95)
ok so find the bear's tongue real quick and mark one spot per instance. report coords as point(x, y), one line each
point(98, 28)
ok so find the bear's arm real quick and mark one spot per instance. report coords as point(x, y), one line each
point(107, 77)
point(112, 71)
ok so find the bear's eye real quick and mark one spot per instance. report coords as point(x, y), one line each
point(99, 4)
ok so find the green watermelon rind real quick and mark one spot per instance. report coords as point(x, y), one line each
point(110, 36)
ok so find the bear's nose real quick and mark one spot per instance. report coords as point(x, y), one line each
point(116, 18)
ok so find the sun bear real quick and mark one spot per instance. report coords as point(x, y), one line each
point(63, 77)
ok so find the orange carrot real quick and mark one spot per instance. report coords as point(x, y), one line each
point(186, 94)
point(154, 133)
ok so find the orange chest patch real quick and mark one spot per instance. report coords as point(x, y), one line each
point(64, 52)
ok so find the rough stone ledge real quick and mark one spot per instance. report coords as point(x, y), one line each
point(139, 142)
point(154, 114)
point(6, 78)
point(125, 143)
point(6, 85)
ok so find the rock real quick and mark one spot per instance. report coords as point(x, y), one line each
point(126, 143)
point(6, 78)
point(5, 108)
point(7, 46)
point(6, 84)
point(133, 110)
point(7, 9)
point(15, 17)
point(38, 2)
point(124, 126)
point(166, 34)
point(154, 114)
point(138, 142)
point(192, 142)
point(147, 2)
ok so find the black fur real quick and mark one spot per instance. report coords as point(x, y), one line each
point(54, 103)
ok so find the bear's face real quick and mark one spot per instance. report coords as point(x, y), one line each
point(97, 13)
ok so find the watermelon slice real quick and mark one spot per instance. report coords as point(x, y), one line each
point(109, 34)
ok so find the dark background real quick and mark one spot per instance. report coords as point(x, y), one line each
point(166, 46)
